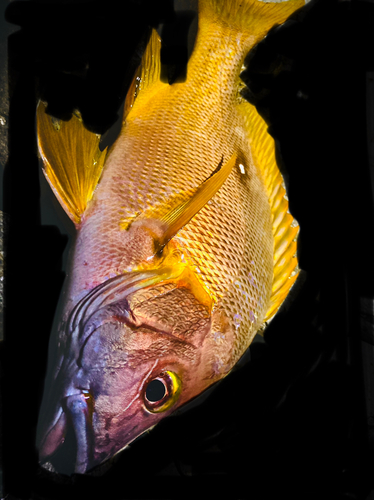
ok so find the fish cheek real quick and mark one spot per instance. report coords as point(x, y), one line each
point(120, 364)
point(116, 414)
point(121, 413)
point(105, 347)
point(117, 361)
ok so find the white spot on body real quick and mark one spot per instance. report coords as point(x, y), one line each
point(218, 336)
point(217, 366)
point(237, 320)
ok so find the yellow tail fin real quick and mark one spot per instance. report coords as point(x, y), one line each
point(253, 16)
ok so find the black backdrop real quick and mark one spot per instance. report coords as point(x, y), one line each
point(294, 418)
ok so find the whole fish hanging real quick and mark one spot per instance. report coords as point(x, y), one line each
point(185, 247)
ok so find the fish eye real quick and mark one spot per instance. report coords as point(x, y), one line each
point(162, 391)
point(155, 391)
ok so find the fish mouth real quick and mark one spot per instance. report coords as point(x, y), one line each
point(68, 447)
point(67, 444)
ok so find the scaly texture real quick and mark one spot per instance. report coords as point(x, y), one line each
point(172, 140)
point(190, 288)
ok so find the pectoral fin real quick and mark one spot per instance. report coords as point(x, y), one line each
point(182, 213)
point(72, 160)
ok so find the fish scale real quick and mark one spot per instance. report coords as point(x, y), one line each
point(185, 246)
point(177, 311)
point(228, 236)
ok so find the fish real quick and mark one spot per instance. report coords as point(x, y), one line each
point(185, 247)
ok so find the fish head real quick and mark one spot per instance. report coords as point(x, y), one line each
point(135, 354)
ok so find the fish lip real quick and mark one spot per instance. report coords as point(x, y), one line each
point(74, 415)
point(65, 438)
point(49, 440)
point(79, 413)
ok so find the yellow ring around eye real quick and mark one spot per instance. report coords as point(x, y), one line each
point(176, 383)
point(174, 388)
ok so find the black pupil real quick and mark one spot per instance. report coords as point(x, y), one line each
point(155, 391)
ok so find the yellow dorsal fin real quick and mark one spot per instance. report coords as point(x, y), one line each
point(72, 160)
point(253, 16)
point(180, 215)
point(285, 227)
point(147, 74)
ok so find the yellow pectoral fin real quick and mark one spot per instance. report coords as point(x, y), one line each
point(72, 160)
point(181, 214)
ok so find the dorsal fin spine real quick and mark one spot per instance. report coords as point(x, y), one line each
point(147, 76)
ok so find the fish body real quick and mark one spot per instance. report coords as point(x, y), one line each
point(184, 243)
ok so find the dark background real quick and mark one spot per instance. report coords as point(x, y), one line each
point(296, 418)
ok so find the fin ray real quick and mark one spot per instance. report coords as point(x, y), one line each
point(253, 16)
point(72, 160)
point(174, 213)
point(285, 227)
point(147, 75)
point(180, 215)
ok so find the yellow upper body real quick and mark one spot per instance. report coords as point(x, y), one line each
point(187, 221)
